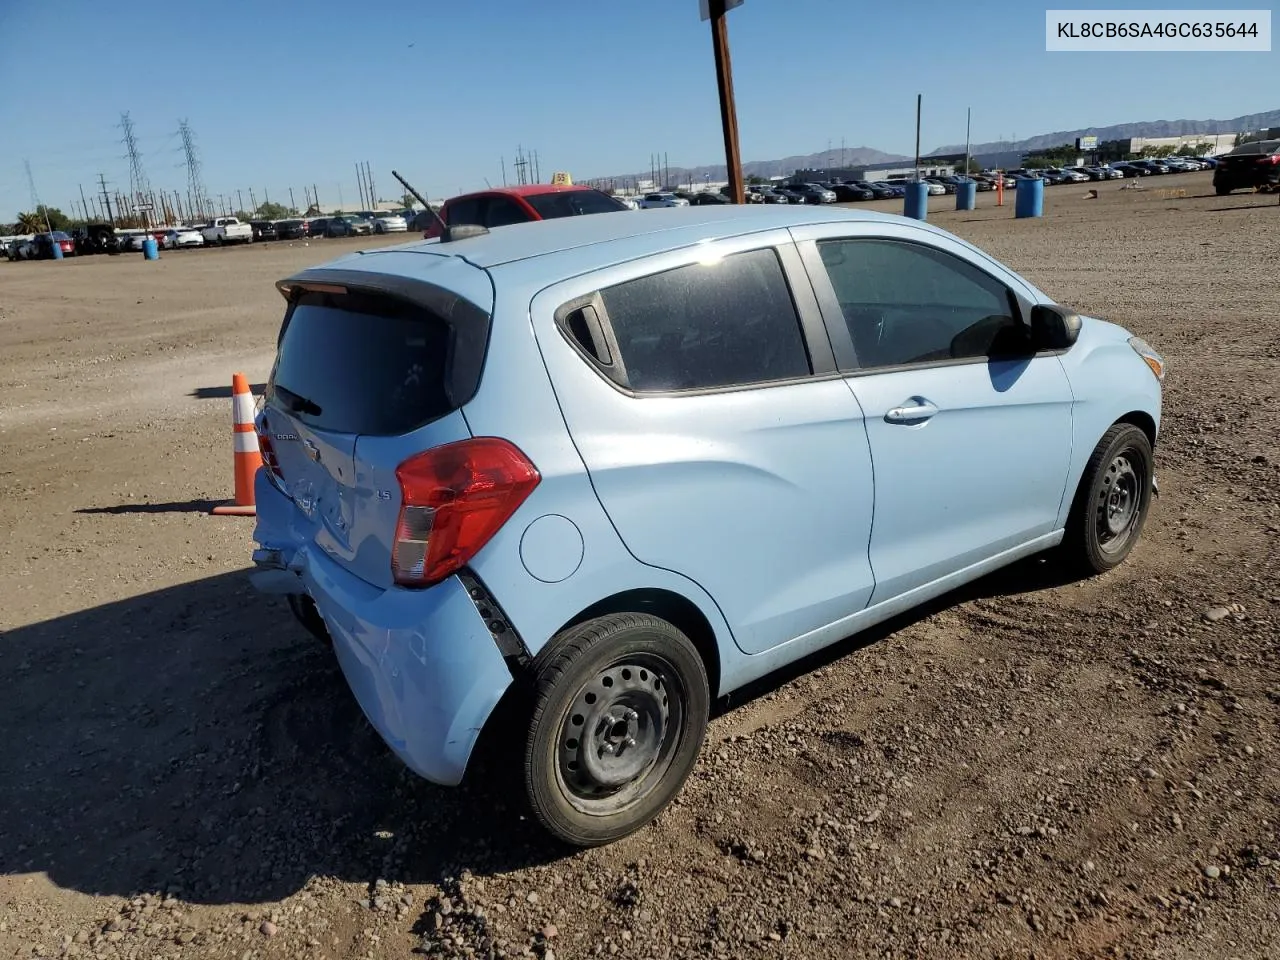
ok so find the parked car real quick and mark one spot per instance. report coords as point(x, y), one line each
point(291, 229)
point(507, 205)
point(934, 188)
point(95, 238)
point(628, 202)
point(1130, 170)
point(896, 187)
point(42, 244)
point(1249, 166)
point(264, 230)
point(848, 192)
point(223, 230)
point(348, 225)
point(317, 226)
point(1151, 166)
point(707, 198)
point(879, 191)
point(179, 238)
point(813, 193)
point(19, 248)
point(458, 529)
point(771, 196)
point(390, 223)
point(789, 191)
point(651, 201)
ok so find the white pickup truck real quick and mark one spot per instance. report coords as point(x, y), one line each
point(227, 230)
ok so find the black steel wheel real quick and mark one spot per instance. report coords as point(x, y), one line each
point(1112, 501)
point(620, 711)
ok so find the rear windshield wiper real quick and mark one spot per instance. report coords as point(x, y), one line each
point(297, 403)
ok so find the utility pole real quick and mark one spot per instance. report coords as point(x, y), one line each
point(537, 170)
point(503, 161)
point(253, 202)
point(728, 112)
point(83, 205)
point(968, 118)
point(842, 153)
point(293, 207)
point(360, 184)
point(240, 198)
point(919, 101)
point(315, 197)
point(106, 200)
point(666, 171)
point(373, 191)
point(35, 198)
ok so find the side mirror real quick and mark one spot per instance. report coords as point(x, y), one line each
point(1054, 327)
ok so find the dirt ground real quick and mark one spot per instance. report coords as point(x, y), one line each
point(1029, 768)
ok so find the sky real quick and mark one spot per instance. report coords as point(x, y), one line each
point(281, 93)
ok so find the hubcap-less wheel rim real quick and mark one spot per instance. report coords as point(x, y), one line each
point(618, 737)
point(1119, 501)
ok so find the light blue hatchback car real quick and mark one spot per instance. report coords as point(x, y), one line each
point(623, 464)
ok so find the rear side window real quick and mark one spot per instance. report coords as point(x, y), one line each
point(469, 210)
point(361, 364)
point(726, 324)
point(572, 203)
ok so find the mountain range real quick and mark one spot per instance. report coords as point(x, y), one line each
point(1123, 131)
point(858, 156)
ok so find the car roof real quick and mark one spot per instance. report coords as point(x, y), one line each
point(603, 239)
point(526, 190)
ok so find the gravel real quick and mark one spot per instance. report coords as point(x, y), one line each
point(1027, 768)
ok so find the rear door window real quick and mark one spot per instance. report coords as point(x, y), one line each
point(503, 211)
point(725, 324)
point(361, 364)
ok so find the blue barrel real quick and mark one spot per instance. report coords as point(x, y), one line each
point(150, 249)
point(57, 248)
point(966, 196)
point(1030, 198)
point(916, 203)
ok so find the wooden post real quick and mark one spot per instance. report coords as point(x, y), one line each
point(728, 112)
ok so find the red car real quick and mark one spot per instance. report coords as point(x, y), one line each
point(505, 205)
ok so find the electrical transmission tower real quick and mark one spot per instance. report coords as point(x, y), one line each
point(138, 187)
point(35, 197)
point(195, 185)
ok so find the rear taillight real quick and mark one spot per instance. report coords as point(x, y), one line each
point(268, 451)
point(454, 498)
point(1274, 159)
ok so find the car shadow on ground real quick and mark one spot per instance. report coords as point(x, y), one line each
point(223, 393)
point(176, 506)
point(196, 739)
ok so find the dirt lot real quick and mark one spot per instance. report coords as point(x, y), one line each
point(1028, 769)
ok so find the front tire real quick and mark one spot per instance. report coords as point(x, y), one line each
point(1112, 501)
point(1222, 191)
point(620, 710)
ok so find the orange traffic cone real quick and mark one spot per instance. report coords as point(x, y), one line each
point(248, 458)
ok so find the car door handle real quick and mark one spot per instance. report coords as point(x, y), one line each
point(916, 410)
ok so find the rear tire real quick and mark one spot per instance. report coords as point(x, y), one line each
point(1222, 191)
point(1111, 503)
point(620, 710)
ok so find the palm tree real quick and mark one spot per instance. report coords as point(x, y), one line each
point(30, 223)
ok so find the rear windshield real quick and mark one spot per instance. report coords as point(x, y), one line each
point(572, 203)
point(359, 364)
point(1257, 147)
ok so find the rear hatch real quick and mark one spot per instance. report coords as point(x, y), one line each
point(1250, 158)
point(371, 368)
